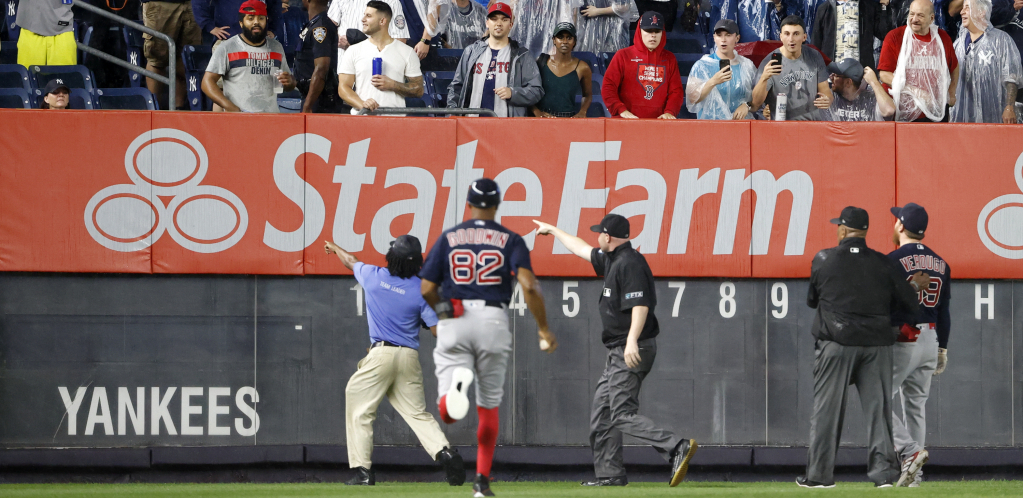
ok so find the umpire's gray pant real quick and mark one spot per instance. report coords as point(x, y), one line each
point(616, 411)
point(835, 368)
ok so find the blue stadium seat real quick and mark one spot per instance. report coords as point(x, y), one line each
point(10, 14)
point(72, 76)
point(685, 63)
point(446, 59)
point(85, 38)
point(134, 42)
point(126, 98)
point(597, 108)
point(16, 76)
point(8, 52)
point(79, 99)
point(438, 86)
point(289, 105)
point(591, 59)
point(14, 98)
point(681, 44)
point(425, 101)
point(604, 58)
point(598, 82)
point(196, 59)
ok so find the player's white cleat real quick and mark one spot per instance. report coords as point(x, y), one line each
point(457, 399)
point(911, 467)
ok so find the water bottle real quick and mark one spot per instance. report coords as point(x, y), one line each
point(278, 86)
point(781, 105)
point(378, 66)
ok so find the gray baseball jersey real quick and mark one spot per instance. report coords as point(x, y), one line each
point(347, 14)
point(798, 81)
point(862, 108)
point(464, 29)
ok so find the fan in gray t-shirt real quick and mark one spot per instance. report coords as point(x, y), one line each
point(798, 81)
point(248, 72)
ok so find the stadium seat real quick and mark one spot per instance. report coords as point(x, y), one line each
point(79, 99)
point(679, 45)
point(16, 76)
point(685, 63)
point(10, 14)
point(289, 105)
point(126, 98)
point(598, 82)
point(72, 76)
point(446, 59)
point(85, 37)
point(134, 42)
point(438, 86)
point(14, 98)
point(8, 52)
point(591, 59)
point(196, 59)
point(425, 101)
point(597, 108)
point(604, 59)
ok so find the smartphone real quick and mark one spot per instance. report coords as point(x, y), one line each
point(776, 57)
point(724, 63)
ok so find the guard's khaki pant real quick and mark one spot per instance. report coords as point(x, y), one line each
point(397, 374)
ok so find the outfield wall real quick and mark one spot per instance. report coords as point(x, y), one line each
point(182, 252)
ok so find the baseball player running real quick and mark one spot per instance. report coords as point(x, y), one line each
point(473, 263)
point(921, 348)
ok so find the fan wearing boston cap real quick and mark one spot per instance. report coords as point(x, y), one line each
point(395, 311)
point(630, 328)
point(475, 264)
point(920, 349)
point(854, 290)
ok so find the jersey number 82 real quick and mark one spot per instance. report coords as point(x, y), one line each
point(464, 263)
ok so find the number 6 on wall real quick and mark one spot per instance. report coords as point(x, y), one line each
point(566, 294)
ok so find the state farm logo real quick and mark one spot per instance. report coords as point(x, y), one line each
point(166, 163)
point(1000, 224)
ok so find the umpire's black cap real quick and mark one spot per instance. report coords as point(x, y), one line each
point(853, 217)
point(913, 217)
point(406, 246)
point(484, 193)
point(614, 225)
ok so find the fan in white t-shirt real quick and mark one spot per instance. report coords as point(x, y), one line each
point(401, 76)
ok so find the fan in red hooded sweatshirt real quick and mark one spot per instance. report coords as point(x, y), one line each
point(644, 83)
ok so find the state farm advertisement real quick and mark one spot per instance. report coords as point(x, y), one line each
point(258, 194)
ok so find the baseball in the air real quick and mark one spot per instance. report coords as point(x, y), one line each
point(544, 345)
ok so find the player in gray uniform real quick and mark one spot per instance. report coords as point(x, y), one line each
point(920, 349)
point(473, 263)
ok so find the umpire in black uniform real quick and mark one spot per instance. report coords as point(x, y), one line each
point(316, 61)
point(627, 312)
point(854, 289)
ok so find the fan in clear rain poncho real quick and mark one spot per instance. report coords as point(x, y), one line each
point(604, 25)
point(535, 20)
point(924, 74)
point(716, 93)
point(464, 21)
point(989, 73)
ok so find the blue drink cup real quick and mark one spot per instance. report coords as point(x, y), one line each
point(378, 66)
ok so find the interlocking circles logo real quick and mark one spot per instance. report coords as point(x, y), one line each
point(166, 163)
point(1000, 224)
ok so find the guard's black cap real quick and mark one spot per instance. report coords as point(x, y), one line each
point(614, 225)
point(406, 246)
point(484, 193)
point(652, 20)
point(53, 85)
point(913, 217)
point(849, 68)
point(727, 25)
point(853, 217)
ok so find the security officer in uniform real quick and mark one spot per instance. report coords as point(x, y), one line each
point(316, 62)
point(627, 313)
point(854, 289)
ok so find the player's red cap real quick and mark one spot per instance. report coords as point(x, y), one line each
point(253, 7)
point(499, 7)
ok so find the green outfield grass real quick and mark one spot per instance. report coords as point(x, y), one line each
point(509, 489)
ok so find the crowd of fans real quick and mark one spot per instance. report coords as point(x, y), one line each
point(902, 60)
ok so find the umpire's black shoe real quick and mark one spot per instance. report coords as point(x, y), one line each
point(680, 460)
point(481, 487)
point(363, 477)
point(608, 481)
point(454, 467)
point(803, 482)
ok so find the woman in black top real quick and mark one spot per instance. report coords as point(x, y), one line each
point(563, 76)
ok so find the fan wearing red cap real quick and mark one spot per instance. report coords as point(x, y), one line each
point(252, 67)
point(496, 72)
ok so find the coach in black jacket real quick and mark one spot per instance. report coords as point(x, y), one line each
point(854, 289)
point(875, 21)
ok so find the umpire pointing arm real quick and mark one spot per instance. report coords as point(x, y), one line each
point(854, 289)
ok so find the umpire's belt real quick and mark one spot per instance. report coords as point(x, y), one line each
point(480, 303)
point(386, 343)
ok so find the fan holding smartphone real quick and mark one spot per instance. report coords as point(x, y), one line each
point(720, 84)
point(793, 82)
